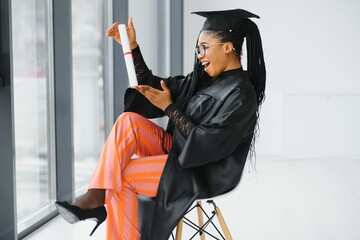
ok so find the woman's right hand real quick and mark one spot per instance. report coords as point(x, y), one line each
point(113, 32)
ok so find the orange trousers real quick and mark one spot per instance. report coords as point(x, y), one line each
point(124, 177)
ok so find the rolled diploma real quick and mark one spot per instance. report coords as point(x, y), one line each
point(127, 55)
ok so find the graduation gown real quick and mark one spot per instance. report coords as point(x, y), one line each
point(210, 161)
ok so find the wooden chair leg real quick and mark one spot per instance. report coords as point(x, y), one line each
point(223, 224)
point(179, 229)
point(200, 219)
point(219, 216)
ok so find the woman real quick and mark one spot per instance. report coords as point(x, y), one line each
point(212, 112)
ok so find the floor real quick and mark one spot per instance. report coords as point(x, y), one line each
point(293, 199)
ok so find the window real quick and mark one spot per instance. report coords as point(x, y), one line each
point(88, 36)
point(32, 80)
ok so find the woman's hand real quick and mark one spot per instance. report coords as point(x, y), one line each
point(160, 99)
point(113, 32)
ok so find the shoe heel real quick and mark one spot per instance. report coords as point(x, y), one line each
point(97, 225)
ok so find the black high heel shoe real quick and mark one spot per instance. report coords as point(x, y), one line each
point(73, 214)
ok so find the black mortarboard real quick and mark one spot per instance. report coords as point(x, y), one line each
point(225, 20)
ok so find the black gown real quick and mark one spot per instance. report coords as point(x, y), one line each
point(209, 160)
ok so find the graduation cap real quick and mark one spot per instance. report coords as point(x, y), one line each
point(226, 20)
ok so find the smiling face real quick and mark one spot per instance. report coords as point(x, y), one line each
point(215, 56)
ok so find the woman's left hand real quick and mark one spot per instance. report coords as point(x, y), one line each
point(158, 98)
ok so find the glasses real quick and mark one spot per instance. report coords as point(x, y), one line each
point(201, 50)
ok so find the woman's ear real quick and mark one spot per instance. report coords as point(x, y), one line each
point(228, 47)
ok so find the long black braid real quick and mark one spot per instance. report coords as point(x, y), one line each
point(255, 56)
point(198, 76)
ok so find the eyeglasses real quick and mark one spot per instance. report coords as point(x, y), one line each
point(201, 50)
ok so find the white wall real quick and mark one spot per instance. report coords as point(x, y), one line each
point(311, 113)
point(312, 55)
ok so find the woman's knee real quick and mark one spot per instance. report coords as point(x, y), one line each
point(130, 116)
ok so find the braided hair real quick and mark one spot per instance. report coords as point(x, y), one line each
point(255, 56)
point(198, 75)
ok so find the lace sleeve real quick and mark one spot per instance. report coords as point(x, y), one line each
point(140, 66)
point(182, 122)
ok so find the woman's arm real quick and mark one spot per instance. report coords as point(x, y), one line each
point(179, 119)
point(136, 102)
point(143, 74)
point(141, 68)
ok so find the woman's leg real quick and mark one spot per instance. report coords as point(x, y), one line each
point(140, 176)
point(131, 134)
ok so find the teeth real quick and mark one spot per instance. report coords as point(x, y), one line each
point(205, 63)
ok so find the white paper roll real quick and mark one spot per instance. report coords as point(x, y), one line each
point(127, 55)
